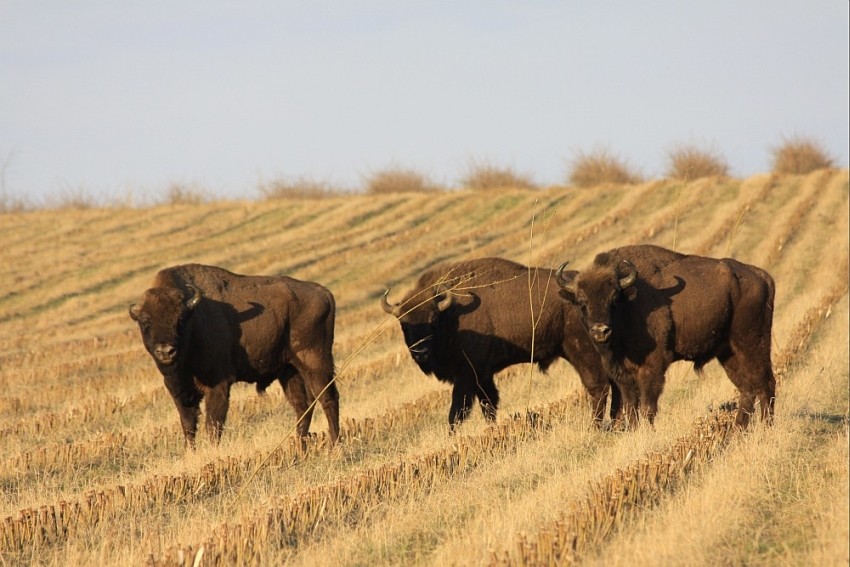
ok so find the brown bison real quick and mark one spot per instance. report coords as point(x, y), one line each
point(207, 328)
point(465, 321)
point(646, 307)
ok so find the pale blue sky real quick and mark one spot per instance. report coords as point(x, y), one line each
point(120, 96)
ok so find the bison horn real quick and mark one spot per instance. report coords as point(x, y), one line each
point(388, 307)
point(193, 301)
point(629, 274)
point(135, 311)
point(567, 284)
point(447, 301)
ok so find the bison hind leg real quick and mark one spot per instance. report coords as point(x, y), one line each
point(300, 398)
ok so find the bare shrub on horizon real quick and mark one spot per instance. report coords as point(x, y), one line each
point(398, 179)
point(186, 194)
point(302, 187)
point(483, 176)
point(692, 162)
point(800, 154)
point(600, 166)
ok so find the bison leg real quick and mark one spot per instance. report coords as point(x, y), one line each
point(597, 386)
point(300, 400)
point(616, 412)
point(650, 385)
point(488, 398)
point(317, 370)
point(187, 399)
point(216, 404)
point(627, 402)
point(462, 397)
point(754, 380)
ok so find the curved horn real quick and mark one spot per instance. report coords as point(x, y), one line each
point(193, 301)
point(135, 310)
point(567, 284)
point(388, 307)
point(447, 302)
point(629, 274)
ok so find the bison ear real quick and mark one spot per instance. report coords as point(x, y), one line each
point(193, 301)
point(135, 310)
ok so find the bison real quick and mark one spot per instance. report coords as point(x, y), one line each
point(646, 307)
point(206, 328)
point(465, 321)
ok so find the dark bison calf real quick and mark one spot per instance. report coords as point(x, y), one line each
point(646, 307)
point(465, 321)
point(207, 328)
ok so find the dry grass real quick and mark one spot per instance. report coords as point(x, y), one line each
point(598, 167)
point(692, 162)
point(800, 155)
point(93, 469)
point(486, 176)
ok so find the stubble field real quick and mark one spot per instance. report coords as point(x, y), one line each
point(93, 468)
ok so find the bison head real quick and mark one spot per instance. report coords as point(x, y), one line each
point(598, 291)
point(419, 316)
point(162, 316)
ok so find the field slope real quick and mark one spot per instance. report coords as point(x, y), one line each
point(93, 469)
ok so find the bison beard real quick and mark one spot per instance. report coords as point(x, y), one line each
point(465, 321)
point(207, 328)
point(647, 307)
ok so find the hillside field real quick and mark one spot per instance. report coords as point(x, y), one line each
point(93, 470)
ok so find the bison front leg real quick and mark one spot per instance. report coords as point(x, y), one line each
point(187, 399)
point(462, 398)
point(217, 404)
point(597, 385)
point(488, 398)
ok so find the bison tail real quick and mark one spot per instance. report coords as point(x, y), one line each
point(544, 364)
point(699, 365)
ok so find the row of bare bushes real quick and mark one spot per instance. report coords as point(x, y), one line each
point(795, 155)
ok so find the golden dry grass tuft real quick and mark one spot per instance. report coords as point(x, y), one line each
point(92, 465)
point(598, 167)
point(799, 155)
point(693, 162)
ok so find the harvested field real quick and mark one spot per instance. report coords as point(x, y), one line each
point(93, 468)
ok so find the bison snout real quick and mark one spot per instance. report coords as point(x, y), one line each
point(600, 332)
point(165, 353)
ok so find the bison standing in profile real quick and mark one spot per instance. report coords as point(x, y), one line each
point(646, 307)
point(207, 328)
point(465, 321)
